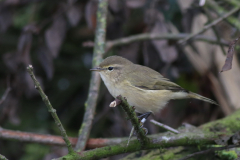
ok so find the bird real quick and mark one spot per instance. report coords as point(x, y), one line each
point(145, 89)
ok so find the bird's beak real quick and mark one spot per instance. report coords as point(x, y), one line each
point(96, 69)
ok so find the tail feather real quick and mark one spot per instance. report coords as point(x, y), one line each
point(197, 96)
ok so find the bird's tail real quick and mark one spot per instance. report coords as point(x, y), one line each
point(197, 96)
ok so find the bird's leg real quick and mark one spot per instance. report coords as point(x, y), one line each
point(143, 117)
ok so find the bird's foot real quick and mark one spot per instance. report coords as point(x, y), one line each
point(145, 130)
point(143, 118)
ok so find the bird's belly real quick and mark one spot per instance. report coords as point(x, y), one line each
point(148, 100)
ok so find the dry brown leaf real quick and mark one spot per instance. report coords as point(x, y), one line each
point(46, 61)
point(167, 53)
point(90, 13)
point(24, 46)
point(22, 55)
point(5, 19)
point(228, 63)
point(9, 109)
point(54, 35)
point(130, 51)
point(116, 5)
point(135, 3)
point(11, 60)
point(12, 2)
point(74, 15)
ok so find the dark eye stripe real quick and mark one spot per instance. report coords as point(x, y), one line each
point(110, 68)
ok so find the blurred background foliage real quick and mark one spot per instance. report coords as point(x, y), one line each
point(56, 36)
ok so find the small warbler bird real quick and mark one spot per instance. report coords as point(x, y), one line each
point(144, 88)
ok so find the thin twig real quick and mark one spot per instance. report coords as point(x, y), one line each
point(2, 157)
point(99, 49)
point(209, 25)
point(50, 109)
point(164, 126)
point(150, 36)
point(130, 111)
point(130, 135)
point(215, 7)
point(209, 151)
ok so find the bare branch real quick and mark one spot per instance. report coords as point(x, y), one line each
point(210, 25)
point(164, 126)
point(50, 109)
point(99, 49)
point(56, 140)
point(149, 36)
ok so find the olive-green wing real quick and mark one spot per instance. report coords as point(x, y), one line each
point(148, 79)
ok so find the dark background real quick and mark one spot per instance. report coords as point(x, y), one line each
point(52, 36)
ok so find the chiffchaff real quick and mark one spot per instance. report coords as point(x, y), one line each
point(144, 88)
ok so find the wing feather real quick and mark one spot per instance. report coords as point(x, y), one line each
point(148, 79)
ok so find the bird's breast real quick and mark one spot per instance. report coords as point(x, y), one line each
point(111, 86)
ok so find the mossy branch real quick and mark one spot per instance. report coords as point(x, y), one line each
point(212, 132)
point(158, 141)
point(211, 150)
point(229, 124)
point(51, 110)
point(99, 49)
point(130, 111)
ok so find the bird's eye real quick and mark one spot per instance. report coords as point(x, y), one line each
point(110, 68)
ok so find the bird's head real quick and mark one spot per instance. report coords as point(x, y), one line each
point(112, 67)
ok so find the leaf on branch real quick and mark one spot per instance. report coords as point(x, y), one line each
point(228, 63)
point(54, 36)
